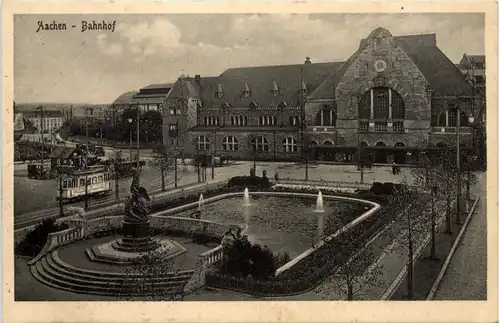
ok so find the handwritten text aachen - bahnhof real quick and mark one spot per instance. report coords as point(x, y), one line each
point(85, 26)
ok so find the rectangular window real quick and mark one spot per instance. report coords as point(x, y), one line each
point(245, 119)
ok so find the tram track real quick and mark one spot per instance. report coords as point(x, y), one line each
point(27, 219)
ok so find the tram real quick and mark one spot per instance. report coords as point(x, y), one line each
point(72, 185)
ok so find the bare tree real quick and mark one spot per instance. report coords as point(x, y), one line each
point(356, 271)
point(116, 159)
point(414, 206)
point(166, 161)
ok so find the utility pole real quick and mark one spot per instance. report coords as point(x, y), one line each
point(61, 209)
point(175, 170)
point(40, 108)
point(360, 158)
point(138, 147)
point(215, 152)
point(433, 221)
point(458, 166)
point(303, 123)
point(409, 276)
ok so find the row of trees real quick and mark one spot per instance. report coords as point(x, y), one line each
point(435, 186)
point(120, 128)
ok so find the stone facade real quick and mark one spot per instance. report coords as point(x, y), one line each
point(412, 117)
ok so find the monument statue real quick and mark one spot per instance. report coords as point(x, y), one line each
point(136, 210)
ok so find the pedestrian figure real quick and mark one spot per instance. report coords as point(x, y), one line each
point(393, 168)
point(276, 177)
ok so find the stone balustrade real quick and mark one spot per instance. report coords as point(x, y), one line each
point(204, 262)
point(57, 239)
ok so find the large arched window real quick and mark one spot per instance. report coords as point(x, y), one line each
point(260, 144)
point(229, 143)
point(202, 143)
point(381, 104)
point(327, 143)
point(314, 143)
point(290, 145)
point(326, 117)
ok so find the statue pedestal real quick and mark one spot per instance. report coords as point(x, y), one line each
point(136, 238)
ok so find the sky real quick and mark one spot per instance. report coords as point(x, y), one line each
point(95, 67)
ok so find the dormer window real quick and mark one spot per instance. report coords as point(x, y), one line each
point(275, 89)
point(246, 91)
point(219, 93)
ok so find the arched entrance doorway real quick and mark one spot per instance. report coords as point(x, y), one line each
point(328, 154)
point(380, 155)
point(365, 155)
point(399, 156)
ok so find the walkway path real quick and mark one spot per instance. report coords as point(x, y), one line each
point(466, 276)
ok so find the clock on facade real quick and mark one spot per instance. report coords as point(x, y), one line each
point(380, 65)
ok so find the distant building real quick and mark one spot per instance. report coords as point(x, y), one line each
point(48, 121)
point(474, 68)
point(149, 98)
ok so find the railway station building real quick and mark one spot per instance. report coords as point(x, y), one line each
point(396, 97)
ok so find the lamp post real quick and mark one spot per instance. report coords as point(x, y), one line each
point(409, 277)
point(40, 108)
point(434, 189)
point(457, 219)
point(469, 162)
point(130, 120)
point(138, 147)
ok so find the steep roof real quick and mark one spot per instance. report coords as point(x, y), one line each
point(262, 80)
point(125, 98)
point(184, 88)
point(443, 76)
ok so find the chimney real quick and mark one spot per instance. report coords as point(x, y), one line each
point(308, 60)
point(197, 80)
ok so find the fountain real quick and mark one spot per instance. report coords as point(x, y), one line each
point(319, 203)
point(246, 198)
point(201, 203)
point(137, 237)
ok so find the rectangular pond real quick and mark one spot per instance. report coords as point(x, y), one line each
point(284, 224)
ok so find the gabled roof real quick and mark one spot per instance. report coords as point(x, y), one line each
point(261, 81)
point(443, 76)
point(184, 88)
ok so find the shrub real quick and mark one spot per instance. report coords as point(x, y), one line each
point(34, 241)
point(377, 188)
point(242, 259)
